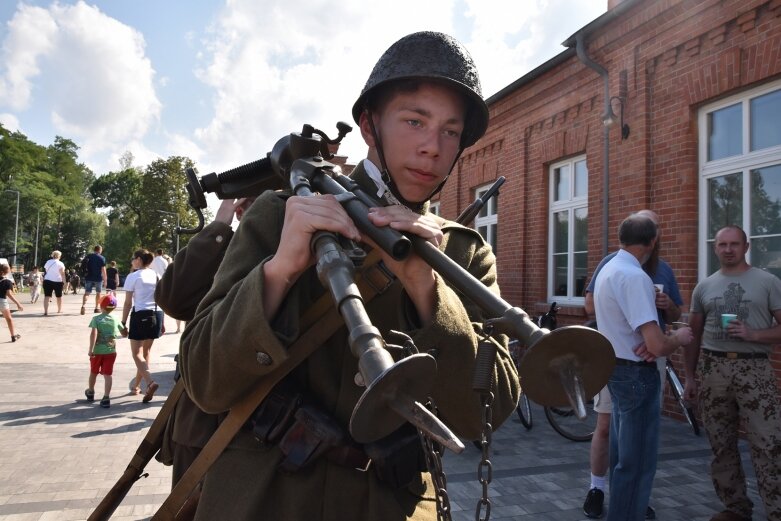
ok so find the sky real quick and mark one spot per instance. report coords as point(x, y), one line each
point(221, 81)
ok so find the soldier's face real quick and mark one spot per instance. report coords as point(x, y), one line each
point(730, 247)
point(420, 134)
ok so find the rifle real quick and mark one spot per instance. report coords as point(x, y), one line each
point(144, 454)
point(561, 367)
point(471, 211)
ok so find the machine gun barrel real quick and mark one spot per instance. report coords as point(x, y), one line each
point(394, 390)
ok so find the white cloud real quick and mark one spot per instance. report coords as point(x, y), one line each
point(91, 69)
point(10, 122)
point(306, 65)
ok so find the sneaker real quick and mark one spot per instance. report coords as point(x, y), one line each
point(90, 395)
point(16, 337)
point(83, 310)
point(595, 500)
point(150, 392)
point(96, 310)
point(105, 402)
point(650, 513)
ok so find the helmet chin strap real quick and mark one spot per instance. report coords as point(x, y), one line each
point(388, 180)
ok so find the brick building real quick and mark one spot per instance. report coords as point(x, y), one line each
point(695, 88)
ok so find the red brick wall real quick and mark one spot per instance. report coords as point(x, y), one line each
point(666, 58)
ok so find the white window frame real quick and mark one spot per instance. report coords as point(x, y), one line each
point(434, 208)
point(488, 216)
point(571, 204)
point(742, 164)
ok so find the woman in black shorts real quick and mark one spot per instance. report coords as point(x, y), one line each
point(146, 319)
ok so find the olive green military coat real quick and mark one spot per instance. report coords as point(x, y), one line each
point(229, 347)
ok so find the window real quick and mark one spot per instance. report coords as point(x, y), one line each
point(568, 234)
point(485, 222)
point(740, 175)
point(434, 208)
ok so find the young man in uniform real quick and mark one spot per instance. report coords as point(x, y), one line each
point(735, 316)
point(420, 108)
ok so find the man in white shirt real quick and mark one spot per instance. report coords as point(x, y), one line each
point(159, 264)
point(624, 299)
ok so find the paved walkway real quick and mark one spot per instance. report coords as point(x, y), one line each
point(59, 455)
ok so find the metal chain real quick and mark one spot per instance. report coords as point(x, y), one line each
point(485, 469)
point(434, 464)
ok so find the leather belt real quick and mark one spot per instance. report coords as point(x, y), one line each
point(736, 356)
point(636, 363)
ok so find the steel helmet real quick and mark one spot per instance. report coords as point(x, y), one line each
point(432, 55)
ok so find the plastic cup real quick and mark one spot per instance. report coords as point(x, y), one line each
point(726, 318)
point(659, 288)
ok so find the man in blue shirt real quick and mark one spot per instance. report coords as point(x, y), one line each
point(668, 304)
point(94, 278)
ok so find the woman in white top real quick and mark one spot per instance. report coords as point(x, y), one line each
point(53, 278)
point(146, 319)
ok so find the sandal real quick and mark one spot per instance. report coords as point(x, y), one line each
point(16, 337)
point(150, 392)
point(90, 395)
point(135, 390)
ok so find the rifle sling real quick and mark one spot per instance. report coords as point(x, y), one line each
point(325, 320)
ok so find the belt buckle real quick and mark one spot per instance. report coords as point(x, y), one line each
point(732, 356)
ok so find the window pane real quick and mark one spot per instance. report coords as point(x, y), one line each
point(560, 275)
point(581, 179)
point(484, 210)
point(494, 234)
point(561, 232)
point(493, 204)
point(581, 272)
point(725, 202)
point(561, 183)
point(581, 229)
point(725, 130)
point(483, 230)
point(765, 197)
point(765, 117)
point(713, 261)
point(766, 254)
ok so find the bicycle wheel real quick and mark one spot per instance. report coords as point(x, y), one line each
point(524, 411)
point(677, 389)
point(565, 422)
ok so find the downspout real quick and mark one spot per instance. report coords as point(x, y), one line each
point(580, 48)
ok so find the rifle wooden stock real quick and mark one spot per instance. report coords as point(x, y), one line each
point(145, 452)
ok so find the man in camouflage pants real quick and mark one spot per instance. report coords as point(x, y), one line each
point(732, 314)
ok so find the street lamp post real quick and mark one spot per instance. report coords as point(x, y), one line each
point(176, 231)
point(16, 228)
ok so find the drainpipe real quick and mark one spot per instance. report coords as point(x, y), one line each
point(580, 48)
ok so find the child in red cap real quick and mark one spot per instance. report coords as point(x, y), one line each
point(102, 348)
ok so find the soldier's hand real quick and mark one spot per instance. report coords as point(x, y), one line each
point(304, 216)
point(738, 329)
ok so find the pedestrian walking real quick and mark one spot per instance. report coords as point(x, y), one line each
point(105, 329)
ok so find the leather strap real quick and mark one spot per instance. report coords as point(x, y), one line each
point(326, 321)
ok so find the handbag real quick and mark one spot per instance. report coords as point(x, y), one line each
point(147, 321)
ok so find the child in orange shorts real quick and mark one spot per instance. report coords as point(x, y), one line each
point(102, 348)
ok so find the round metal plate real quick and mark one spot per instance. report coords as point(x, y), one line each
point(588, 349)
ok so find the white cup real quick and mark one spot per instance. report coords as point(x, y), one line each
point(659, 288)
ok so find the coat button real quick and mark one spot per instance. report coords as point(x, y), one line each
point(263, 358)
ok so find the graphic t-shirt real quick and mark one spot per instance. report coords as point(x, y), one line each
point(109, 329)
point(752, 295)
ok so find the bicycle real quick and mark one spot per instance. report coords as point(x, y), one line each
point(562, 419)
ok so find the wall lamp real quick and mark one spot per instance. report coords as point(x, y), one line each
point(610, 117)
